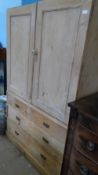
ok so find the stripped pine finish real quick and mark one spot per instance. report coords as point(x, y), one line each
point(52, 61)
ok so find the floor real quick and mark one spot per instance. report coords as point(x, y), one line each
point(12, 162)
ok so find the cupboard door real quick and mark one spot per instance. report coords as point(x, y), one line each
point(56, 38)
point(21, 29)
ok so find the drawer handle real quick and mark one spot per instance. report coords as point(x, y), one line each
point(84, 170)
point(16, 133)
point(45, 140)
point(91, 146)
point(46, 125)
point(17, 106)
point(18, 119)
point(43, 157)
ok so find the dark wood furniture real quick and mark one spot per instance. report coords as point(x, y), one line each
point(81, 151)
point(3, 71)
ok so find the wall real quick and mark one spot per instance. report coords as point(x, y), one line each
point(3, 9)
point(28, 1)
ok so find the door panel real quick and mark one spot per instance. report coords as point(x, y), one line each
point(22, 27)
point(57, 28)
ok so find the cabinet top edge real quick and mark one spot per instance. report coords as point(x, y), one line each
point(88, 106)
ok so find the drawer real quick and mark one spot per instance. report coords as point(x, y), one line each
point(54, 128)
point(89, 123)
point(87, 143)
point(70, 172)
point(54, 147)
point(35, 149)
point(82, 166)
point(18, 105)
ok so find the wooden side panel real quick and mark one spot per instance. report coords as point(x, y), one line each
point(21, 27)
point(69, 141)
point(88, 81)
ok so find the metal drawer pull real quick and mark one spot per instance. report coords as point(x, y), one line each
point(43, 157)
point(17, 106)
point(84, 170)
point(91, 146)
point(46, 125)
point(17, 118)
point(45, 140)
point(16, 133)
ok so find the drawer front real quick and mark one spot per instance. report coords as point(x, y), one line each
point(70, 172)
point(82, 166)
point(35, 149)
point(54, 147)
point(54, 129)
point(86, 142)
point(89, 123)
point(41, 120)
point(18, 105)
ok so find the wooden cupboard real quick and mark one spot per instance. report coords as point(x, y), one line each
point(52, 59)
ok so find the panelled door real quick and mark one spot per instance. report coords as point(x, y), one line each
point(58, 31)
point(21, 30)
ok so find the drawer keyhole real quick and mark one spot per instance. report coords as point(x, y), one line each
point(45, 140)
point(46, 125)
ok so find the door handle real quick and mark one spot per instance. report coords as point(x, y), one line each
point(34, 52)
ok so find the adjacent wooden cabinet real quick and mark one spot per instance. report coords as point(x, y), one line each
point(51, 60)
point(81, 153)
